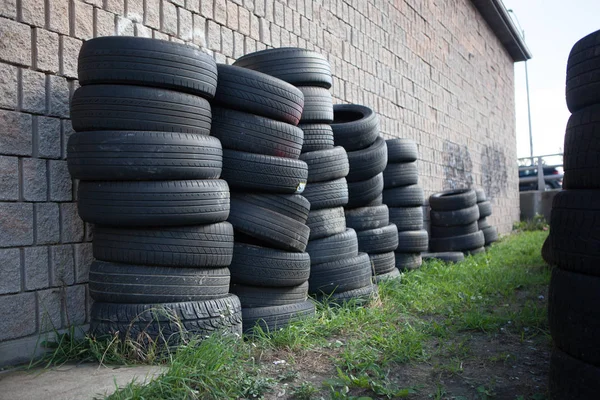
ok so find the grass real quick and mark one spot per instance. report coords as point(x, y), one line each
point(358, 347)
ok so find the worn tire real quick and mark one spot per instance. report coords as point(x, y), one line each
point(316, 137)
point(326, 165)
point(571, 378)
point(474, 252)
point(276, 317)
point(393, 274)
point(378, 240)
point(364, 193)
point(354, 126)
point(364, 218)
point(334, 247)
point(483, 223)
point(368, 162)
point(256, 296)
point(327, 194)
point(408, 261)
point(340, 275)
point(582, 150)
point(485, 209)
point(398, 175)
point(294, 206)
point(407, 196)
point(463, 216)
point(382, 263)
point(326, 222)
point(401, 150)
point(412, 241)
point(466, 242)
point(446, 256)
point(356, 296)
point(318, 105)
point(490, 234)
point(480, 194)
point(407, 218)
point(450, 200)
point(449, 231)
point(583, 73)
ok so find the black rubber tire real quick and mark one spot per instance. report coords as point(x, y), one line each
point(412, 241)
point(463, 216)
point(368, 162)
point(447, 256)
point(153, 203)
point(318, 105)
point(393, 274)
point(382, 263)
point(340, 275)
point(257, 93)
point(326, 222)
point(363, 193)
point(334, 247)
point(264, 266)
point(327, 194)
point(326, 165)
point(354, 126)
point(401, 150)
point(147, 62)
point(294, 206)
point(573, 314)
point(257, 172)
point(294, 65)
point(167, 322)
point(485, 209)
point(571, 378)
point(276, 317)
point(183, 246)
point(138, 156)
point(480, 194)
point(449, 231)
point(377, 201)
point(364, 218)
point(268, 226)
point(138, 108)
point(408, 261)
point(398, 175)
point(490, 234)
point(407, 196)
point(255, 134)
point(356, 296)
point(378, 240)
point(474, 252)
point(582, 150)
point(257, 296)
point(583, 73)
point(455, 199)
point(466, 242)
point(126, 283)
point(407, 218)
point(316, 137)
point(483, 223)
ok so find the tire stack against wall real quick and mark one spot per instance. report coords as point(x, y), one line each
point(490, 233)
point(338, 271)
point(150, 182)
point(574, 242)
point(404, 197)
point(454, 215)
point(255, 117)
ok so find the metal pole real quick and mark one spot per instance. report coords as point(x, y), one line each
point(540, 175)
point(528, 107)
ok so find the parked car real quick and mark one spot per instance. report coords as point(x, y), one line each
point(530, 184)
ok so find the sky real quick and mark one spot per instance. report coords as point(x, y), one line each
point(551, 28)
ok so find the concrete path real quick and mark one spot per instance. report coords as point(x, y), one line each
point(71, 382)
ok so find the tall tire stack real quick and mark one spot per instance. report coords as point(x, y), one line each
point(490, 233)
point(454, 215)
point(338, 272)
point(149, 181)
point(404, 197)
point(574, 242)
point(255, 117)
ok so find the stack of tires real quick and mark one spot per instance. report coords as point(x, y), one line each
point(255, 117)
point(490, 233)
point(454, 215)
point(574, 242)
point(404, 197)
point(150, 182)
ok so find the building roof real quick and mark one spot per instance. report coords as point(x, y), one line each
point(496, 15)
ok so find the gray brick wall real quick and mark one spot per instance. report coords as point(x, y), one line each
point(434, 71)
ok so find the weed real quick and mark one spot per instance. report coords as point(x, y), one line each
point(537, 223)
point(305, 391)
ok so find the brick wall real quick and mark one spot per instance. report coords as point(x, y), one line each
point(433, 70)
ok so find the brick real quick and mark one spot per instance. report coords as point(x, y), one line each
point(135, 10)
point(169, 18)
point(278, 14)
point(71, 49)
point(61, 185)
point(214, 36)
point(15, 46)
point(124, 27)
point(9, 178)
point(33, 12)
point(160, 35)
point(47, 223)
point(16, 224)
point(207, 9)
point(142, 31)
point(59, 16)
point(83, 26)
point(220, 58)
point(269, 10)
point(259, 8)
point(249, 5)
point(95, 3)
point(115, 6)
point(199, 36)
point(178, 3)
point(104, 23)
point(152, 14)
point(71, 224)
point(10, 271)
point(275, 36)
point(232, 16)
point(249, 45)
point(75, 310)
point(36, 268)
point(49, 309)
point(63, 265)
point(8, 9)
point(8, 86)
point(193, 5)
point(59, 96)
point(89, 232)
point(17, 311)
point(238, 45)
point(35, 184)
point(186, 25)
point(265, 31)
point(244, 21)
point(254, 27)
point(15, 133)
point(220, 11)
point(176, 40)
point(67, 131)
point(48, 137)
point(226, 42)
point(83, 259)
point(34, 91)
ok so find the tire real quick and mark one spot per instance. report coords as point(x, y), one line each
point(357, 296)
point(412, 242)
point(463, 216)
point(398, 175)
point(257, 93)
point(263, 266)
point(318, 105)
point(140, 156)
point(583, 73)
point(326, 165)
point(582, 150)
point(363, 218)
point(316, 137)
point(354, 126)
point(257, 172)
point(393, 274)
point(255, 296)
point(378, 240)
point(327, 194)
point(458, 243)
point(382, 263)
point(451, 200)
point(138, 108)
point(401, 151)
point(154, 203)
point(294, 206)
point(408, 261)
point(407, 196)
point(268, 226)
point(483, 223)
point(147, 62)
point(363, 193)
point(450, 231)
point(125, 283)
point(340, 275)
point(167, 321)
point(485, 209)
point(407, 218)
point(573, 314)
point(326, 222)
point(183, 246)
point(255, 134)
point(377, 201)
point(480, 194)
point(296, 66)
point(276, 317)
point(571, 378)
point(448, 256)
point(474, 252)
point(490, 234)
point(334, 247)
point(368, 162)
